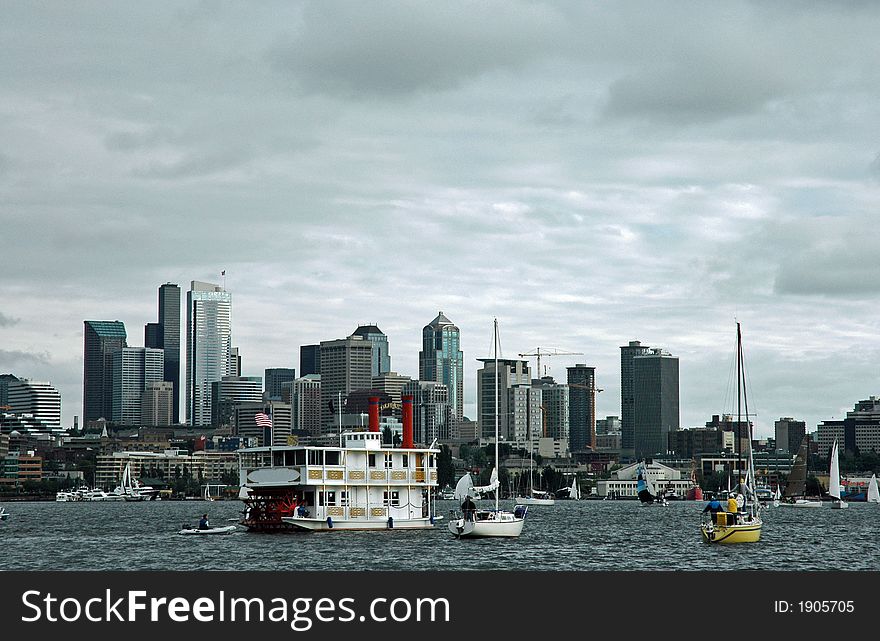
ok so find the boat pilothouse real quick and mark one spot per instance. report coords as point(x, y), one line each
point(362, 485)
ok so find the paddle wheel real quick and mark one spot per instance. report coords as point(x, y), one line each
point(264, 509)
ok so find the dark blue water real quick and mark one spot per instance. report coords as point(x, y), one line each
point(571, 535)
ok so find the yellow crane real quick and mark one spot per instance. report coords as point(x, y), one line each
point(554, 352)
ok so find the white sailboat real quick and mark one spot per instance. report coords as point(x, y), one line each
point(834, 488)
point(574, 492)
point(645, 489)
point(777, 496)
point(490, 522)
point(873, 490)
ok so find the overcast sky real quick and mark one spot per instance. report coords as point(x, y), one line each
point(590, 174)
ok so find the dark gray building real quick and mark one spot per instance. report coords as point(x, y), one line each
point(101, 340)
point(655, 402)
point(346, 365)
point(627, 415)
point(581, 407)
point(309, 360)
point(153, 335)
point(442, 360)
point(169, 322)
point(789, 434)
point(381, 358)
point(275, 377)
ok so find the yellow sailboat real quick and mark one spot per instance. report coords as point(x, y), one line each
point(743, 525)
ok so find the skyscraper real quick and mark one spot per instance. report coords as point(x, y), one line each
point(381, 358)
point(153, 335)
point(346, 365)
point(156, 403)
point(231, 391)
point(511, 373)
point(309, 360)
point(208, 346)
point(555, 402)
point(37, 398)
point(627, 353)
point(306, 403)
point(169, 322)
point(274, 379)
point(442, 360)
point(431, 411)
point(133, 369)
point(582, 407)
point(655, 402)
point(101, 339)
point(789, 434)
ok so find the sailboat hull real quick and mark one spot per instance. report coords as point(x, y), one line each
point(727, 534)
point(802, 503)
point(839, 505)
point(500, 524)
point(525, 500)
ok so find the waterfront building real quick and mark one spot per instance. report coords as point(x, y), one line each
point(208, 347)
point(306, 404)
point(346, 365)
point(157, 403)
point(431, 411)
point(608, 425)
point(623, 482)
point(309, 360)
point(101, 339)
point(789, 434)
point(858, 432)
point(36, 398)
point(655, 402)
point(275, 378)
point(17, 468)
point(230, 391)
point(442, 360)
point(555, 403)
point(381, 359)
point(511, 372)
point(169, 321)
point(582, 407)
point(133, 369)
point(627, 398)
point(165, 465)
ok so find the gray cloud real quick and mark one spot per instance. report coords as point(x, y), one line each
point(8, 321)
point(11, 358)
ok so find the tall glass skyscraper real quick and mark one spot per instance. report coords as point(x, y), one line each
point(169, 320)
point(381, 357)
point(627, 407)
point(442, 360)
point(208, 346)
point(655, 402)
point(133, 369)
point(582, 407)
point(101, 339)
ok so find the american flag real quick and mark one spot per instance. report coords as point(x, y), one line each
point(262, 420)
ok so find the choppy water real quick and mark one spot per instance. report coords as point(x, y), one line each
point(571, 535)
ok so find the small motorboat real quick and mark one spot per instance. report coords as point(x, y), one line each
point(226, 529)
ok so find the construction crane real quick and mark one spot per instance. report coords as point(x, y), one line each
point(595, 390)
point(555, 352)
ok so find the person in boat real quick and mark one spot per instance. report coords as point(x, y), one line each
point(468, 508)
point(301, 511)
point(732, 509)
point(203, 522)
point(714, 507)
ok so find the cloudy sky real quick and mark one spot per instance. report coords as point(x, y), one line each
point(590, 174)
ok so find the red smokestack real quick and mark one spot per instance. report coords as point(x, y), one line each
point(374, 413)
point(407, 421)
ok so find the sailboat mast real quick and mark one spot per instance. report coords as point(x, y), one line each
point(738, 444)
point(497, 471)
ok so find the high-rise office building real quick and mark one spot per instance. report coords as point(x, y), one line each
point(381, 358)
point(157, 404)
point(555, 406)
point(208, 346)
point(5, 379)
point(627, 415)
point(37, 398)
point(582, 407)
point(101, 340)
point(442, 360)
point(274, 379)
point(346, 365)
point(431, 412)
point(789, 434)
point(608, 425)
point(133, 369)
point(307, 404)
point(655, 402)
point(153, 335)
point(309, 360)
point(523, 426)
point(169, 322)
point(511, 372)
point(392, 384)
point(231, 391)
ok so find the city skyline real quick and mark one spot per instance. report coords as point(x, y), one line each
point(589, 176)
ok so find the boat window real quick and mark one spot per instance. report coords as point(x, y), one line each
point(329, 498)
point(372, 460)
point(343, 499)
point(331, 458)
point(315, 457)
point(388, 461)
point(391, 498)
point(288, 458)
point(405, 461)
point(299, 457)
point(278, 459)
